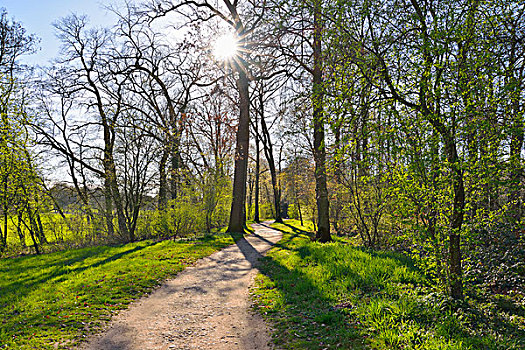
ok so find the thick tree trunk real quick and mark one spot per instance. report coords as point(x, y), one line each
point(121, 217)
point(458, 208)
point(237, 214)
point(323, 208)
point(108, 209)
point(456, 221)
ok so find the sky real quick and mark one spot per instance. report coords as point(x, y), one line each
point(37, 17)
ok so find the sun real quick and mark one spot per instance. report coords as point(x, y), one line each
point(226, 47)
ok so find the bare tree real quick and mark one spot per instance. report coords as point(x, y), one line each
point(163, 75)
point(90, 79)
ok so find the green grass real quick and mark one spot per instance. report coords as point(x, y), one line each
point(59, 298)
point(337, 295)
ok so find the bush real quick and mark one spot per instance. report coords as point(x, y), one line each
point(180, 219)
point(495, 259)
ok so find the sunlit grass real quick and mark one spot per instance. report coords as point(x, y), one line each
point(339, 296)
point(53, 224)
point(61, 297)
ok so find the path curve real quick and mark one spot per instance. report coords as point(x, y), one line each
point(206, 306)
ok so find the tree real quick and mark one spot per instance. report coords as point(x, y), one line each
point(90, 79)
point(18, 180)
point(293, 19)
point(265, 137)
point(424, 63)
point(211, 142)
point(163, 75)
point(229, 14)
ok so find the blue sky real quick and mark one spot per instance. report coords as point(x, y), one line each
point(37, 17)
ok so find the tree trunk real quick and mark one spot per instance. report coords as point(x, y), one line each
point(2, 247)
point(250, 194)
point(268, 151)
point(108, 209)
point(516, 144)
point(163, 180)
point(113, 190)
point(237, 214)
point(19, 231)
point(4, 235)
point(296, 196)
point(337, 206)
point(35, 244)
point(276, 194)
point(456, 221)
point(175, 165)
point(323, 208)
point(121, 217)
point(257, 172)
point(41, 234)
point(300, 212)
point(516, 169)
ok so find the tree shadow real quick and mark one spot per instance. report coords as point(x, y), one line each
point(282, 243)
point(56, 269)
point(292, 286)
point(309, 313)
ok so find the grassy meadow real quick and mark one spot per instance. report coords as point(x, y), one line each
point(54, 300)
point(339, 296)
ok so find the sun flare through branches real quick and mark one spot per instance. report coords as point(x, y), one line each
point(226, 47)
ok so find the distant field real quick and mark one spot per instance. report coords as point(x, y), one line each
point(53, 224)
point(76, 232)
point(54, 300)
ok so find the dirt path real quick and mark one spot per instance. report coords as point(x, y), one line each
point(207, 306)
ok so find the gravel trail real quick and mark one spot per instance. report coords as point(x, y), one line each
point(206, 306)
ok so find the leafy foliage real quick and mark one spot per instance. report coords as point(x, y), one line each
point(496, 259)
